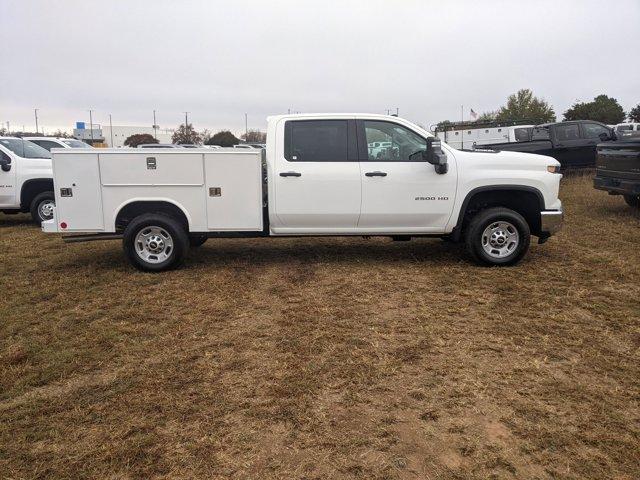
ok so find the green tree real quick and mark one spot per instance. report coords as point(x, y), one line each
point(524, 106)
point(223, 138)
point(254, 136)
point(186, 134)
point(603, 109)
point(139, 139)
point(488, 116)
point(634, 114)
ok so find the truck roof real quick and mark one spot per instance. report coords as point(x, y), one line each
point(334, 115)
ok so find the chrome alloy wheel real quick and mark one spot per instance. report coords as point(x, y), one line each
point(45, 209)
point(154, 244)
point(500, 239)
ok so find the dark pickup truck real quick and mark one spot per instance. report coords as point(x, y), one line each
point(573, 144)
point(618, 169)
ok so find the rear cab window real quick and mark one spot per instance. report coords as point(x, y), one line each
point(319, 141)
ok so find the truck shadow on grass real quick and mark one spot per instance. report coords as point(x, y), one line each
point(7, 221)
point(233, 253)
point(344, 251)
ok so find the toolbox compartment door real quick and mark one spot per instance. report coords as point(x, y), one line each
point(76, 178)
point(234, 190)
point(151, 167)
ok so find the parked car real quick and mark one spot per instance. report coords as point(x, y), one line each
point(26, 179)
point(57, 142)
point(317, 178)
point(159, 145)
point(573, 144)
point(249, 145)
point(627, 130)
point(618, 169)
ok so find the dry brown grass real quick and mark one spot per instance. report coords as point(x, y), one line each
point(325, 358)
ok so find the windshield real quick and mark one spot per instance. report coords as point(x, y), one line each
point(76, 144)
point(24, 148)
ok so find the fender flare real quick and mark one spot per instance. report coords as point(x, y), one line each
point(457, 230)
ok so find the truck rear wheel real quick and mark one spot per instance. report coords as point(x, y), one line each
point(632, 200)
point(155, 242)
point(498, 236)
point(42, 207)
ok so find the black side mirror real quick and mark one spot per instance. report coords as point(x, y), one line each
point(604, 137)
point(435, 156)
point(5, 162)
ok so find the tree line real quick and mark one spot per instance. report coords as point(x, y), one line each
point(523, 105)
point(186, 134)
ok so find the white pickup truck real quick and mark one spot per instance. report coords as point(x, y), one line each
point(315, 177)
point(26, 179)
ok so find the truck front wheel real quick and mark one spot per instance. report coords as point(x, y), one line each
point(498, 236)
point(42, 206)
point(632, 200)
point(155, 242)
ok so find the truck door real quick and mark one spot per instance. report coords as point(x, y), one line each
point(316, 177)
point(569, 148)
point(8, 169)
point(400, 191)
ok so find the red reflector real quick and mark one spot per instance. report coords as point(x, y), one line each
point(63, 225)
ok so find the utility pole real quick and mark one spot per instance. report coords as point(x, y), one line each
point(462, 120)
point(155, 126)
point(91, 124)
point(397, 111)
point(35, 111)
point(246, 130)
point(111, 130)
point(186, 120)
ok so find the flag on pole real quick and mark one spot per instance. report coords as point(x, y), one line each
point(473, 114)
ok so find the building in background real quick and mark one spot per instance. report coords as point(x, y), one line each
point(122, 132)
point(92, 136)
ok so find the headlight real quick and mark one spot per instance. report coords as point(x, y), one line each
point(553, 168)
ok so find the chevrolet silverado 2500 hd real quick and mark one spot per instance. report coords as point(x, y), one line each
point(26, 180)
point(618, 169)
point(316, 176)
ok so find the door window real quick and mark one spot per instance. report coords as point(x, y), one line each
point(593, 130)
point(316, 141)
point(395, 143)
point(567, 132)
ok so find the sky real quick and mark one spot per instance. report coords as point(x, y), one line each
point(221, 59)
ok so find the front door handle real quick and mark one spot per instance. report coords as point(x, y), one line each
point(376, 174)
point(290, 174)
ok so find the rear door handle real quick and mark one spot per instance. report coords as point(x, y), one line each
point(376, 174)
point(290, 174)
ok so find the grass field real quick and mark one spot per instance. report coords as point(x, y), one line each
point(325, 358)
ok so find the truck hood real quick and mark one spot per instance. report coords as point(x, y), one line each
point(507, 160)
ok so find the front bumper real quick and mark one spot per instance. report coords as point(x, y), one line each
point(551, 222)
point(617, 185)
point(51, 225)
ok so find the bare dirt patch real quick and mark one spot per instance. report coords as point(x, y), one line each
point(325, 358)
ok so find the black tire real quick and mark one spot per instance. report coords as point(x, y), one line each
point(475, 239)
point(632, 200)
point(168, 230)
point(197, 240)
point(40, 204)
